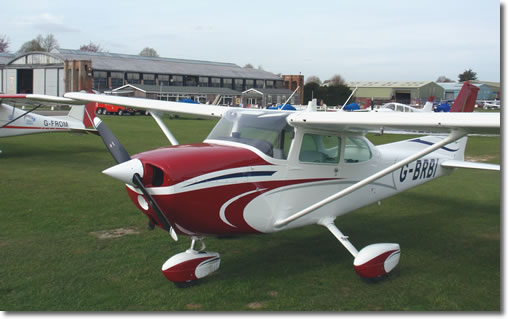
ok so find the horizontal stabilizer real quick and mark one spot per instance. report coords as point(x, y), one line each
point(475, 165)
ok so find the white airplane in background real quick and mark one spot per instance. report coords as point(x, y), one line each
point(15, 121)
point(264, 171)
point(399, 107)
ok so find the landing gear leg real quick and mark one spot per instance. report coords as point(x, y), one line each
point(372, 261)
point(185, 268)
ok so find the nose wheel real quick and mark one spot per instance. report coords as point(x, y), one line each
point(185, 268)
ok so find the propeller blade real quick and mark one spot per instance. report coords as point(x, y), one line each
point(112, 143)
point(165, 223)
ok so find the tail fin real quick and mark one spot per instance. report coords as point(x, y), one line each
point(429, 105)
point(466, 99)
point(83, 113)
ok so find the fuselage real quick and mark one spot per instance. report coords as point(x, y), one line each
point(32, 123)
point(247, 175)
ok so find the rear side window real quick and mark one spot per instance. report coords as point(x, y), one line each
point(356, 150)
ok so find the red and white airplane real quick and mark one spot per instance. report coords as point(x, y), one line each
point(15, 121)
point(264, 171)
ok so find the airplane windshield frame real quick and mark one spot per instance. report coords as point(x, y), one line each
point(267, 131)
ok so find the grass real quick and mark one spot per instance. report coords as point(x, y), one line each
point(53, 196)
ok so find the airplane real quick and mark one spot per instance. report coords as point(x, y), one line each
point(264, 171)
point(15, 121)
point(399, 107)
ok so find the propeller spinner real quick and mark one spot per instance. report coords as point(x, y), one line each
point(129, 171)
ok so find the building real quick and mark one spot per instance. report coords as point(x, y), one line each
point(401, 92)
point(64, 70)
point(452, 89)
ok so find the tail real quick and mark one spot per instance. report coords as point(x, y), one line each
point(466, 99)
point(83, 113)
point(429, 105)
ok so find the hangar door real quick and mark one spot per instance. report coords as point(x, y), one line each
point(25, 81)
point(403, 97)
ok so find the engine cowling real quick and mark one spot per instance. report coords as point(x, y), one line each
point(377, 260)
point(190, 265)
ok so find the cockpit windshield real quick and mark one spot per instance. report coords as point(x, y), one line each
point(267, 131)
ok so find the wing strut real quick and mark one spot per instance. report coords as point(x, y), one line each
point(453, 136)
point(164, 128)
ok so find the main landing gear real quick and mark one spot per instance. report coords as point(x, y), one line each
point(185, 268)
point(373, 261)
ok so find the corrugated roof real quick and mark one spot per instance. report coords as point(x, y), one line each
point(6, 58)
point(179, 89)
point(157, 65)
point(388, 84)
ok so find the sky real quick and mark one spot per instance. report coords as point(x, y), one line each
point(361, 40)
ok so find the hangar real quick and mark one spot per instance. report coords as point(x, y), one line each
point(64, 70)
point(401, 92)
point(452, 89)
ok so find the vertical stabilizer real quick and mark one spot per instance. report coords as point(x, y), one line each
point(466, 99)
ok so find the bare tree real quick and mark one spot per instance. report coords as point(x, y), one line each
point(4, 43)
point(313, 79)
point(336, 80)
point(248, 66)
point(40, 43)
point(148, 52)
point(443, 79)
point(91, 47)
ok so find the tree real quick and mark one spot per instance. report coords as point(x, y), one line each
point(313, 79)
point(248, 66)
point(4, 43)
point(330, 95)
point(40, 43)
point(443, 79)
point(336, 80)
point(467, 76)
point(91, 47)
point(148, 52)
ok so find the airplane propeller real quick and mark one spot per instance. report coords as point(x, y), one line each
point(129, 170)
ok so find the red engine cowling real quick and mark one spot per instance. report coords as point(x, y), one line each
point(377, 260)
point(190, 265)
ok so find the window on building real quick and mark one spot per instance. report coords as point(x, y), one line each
point(133, 78)
point(190, 80)
point(149, 79)
point(249, 84)
point(260, 84)
point(239, 84)
point(215, 82)
point(163, 79)
point(116, 79)
point(356, 150)
point(320, 149)
point(100, 80)
point(269, 84)
point(279, 84)
point(177, 80)
point(227, 83)
point(203, 81)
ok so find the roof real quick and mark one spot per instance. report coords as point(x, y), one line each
point(268, 91)
point(178, 89)
point(389, 84)
point(158, 65)
point(6, 58)
point(454, 86)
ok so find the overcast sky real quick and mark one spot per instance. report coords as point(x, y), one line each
point(378, 40)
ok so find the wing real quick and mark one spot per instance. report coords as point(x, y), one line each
point(36, 99)
point(201, 110)
point(470, 123)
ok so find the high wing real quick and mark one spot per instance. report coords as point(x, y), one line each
point(469, 123)
point(36, 99)
point(201, 110)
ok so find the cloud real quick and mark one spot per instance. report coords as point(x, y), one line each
point(47, 22)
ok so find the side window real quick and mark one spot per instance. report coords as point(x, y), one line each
point(283, 143)
point(356, 150)
point(320, 149)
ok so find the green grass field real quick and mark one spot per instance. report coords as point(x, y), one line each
point(54, 197)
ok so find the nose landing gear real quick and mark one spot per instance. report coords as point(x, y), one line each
point(185, 268)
